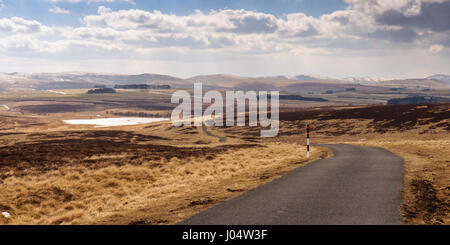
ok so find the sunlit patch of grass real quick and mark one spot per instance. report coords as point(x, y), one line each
point(120, 194)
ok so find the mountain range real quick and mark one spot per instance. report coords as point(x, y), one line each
point(298, 83)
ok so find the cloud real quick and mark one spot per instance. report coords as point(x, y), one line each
point(19, 25)
point(90, 1)
point(436, 48)
point(58, 10)
point(301, 25)
point(360, 21)
point(103, 10)
point(362, 24)
point(246, 22)
point(405, 35)
point(430, 15)
point(364, 29)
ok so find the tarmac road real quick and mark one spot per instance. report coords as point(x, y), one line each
point(359, 185)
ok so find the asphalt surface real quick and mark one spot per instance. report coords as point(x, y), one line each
point(359, 185)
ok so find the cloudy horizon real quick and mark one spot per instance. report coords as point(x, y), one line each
point(333, 38)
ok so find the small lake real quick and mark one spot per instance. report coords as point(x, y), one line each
point(111, 122)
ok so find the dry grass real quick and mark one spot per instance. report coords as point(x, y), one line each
point(155, 192)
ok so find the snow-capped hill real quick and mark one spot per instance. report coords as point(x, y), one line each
point(362, 80)
point(440, 77)
point(304, 77)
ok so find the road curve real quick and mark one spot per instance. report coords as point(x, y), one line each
point(359, 185)
point(205, 130)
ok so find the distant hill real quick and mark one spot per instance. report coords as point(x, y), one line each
point(274, 77)
point(415, 83)
point(142, 86)
point(304, 77)
point(150, 79)
point(282, 83)
point(440, 77)
point(221, 80)
point(64, 85)
point(417, 100)
point(78, 80)
point(322, 87)
point(16, 81)
point(298, 83)
point(361, 80)
point(255, 86)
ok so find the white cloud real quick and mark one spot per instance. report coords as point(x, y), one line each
point(58, 10)
point(103, 10)
point(436, 48)
point(250, 30)
point(90, 1)
point(19, 25)
point(218, 38)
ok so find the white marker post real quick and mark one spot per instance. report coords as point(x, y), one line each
point(307, 141)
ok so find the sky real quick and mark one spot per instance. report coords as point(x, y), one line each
point(333, 38)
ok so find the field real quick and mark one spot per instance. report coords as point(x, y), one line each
point(54, 173)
